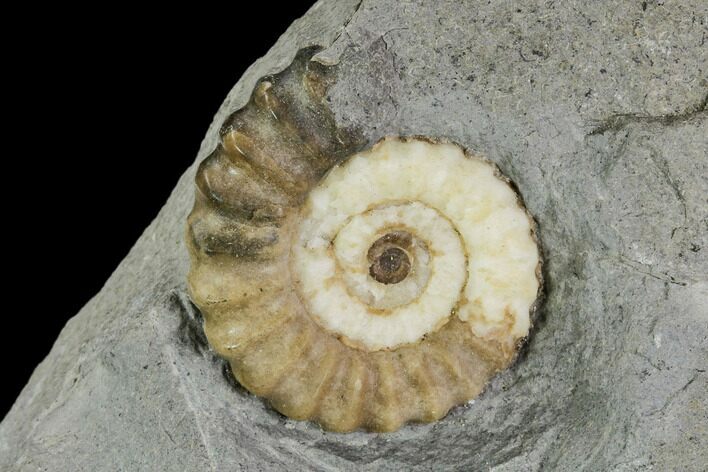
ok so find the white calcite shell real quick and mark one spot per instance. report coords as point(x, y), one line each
point(481, 262)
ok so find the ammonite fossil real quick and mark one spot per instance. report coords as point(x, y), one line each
point(356, 289)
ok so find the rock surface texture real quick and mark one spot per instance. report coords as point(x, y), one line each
point(597, 110)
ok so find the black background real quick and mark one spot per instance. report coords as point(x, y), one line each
point(105, 111)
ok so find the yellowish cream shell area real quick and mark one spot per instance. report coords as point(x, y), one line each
point(283, 276)
point(483, 257)
point(359, 292)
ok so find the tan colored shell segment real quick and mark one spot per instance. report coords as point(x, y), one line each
point(253, 204)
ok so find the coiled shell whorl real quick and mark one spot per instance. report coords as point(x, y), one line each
point(355, 289)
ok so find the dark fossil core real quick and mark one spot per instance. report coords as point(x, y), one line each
point(392, 266)
point(390, 261)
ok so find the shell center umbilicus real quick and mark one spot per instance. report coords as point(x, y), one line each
point(390, 261)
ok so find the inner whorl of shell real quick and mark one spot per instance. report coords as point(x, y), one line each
point(355, 289)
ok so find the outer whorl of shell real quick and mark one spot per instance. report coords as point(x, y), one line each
point(358, 290)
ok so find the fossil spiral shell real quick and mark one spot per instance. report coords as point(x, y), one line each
point(356, 289)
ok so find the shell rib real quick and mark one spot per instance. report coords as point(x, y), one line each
point(360, 290)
